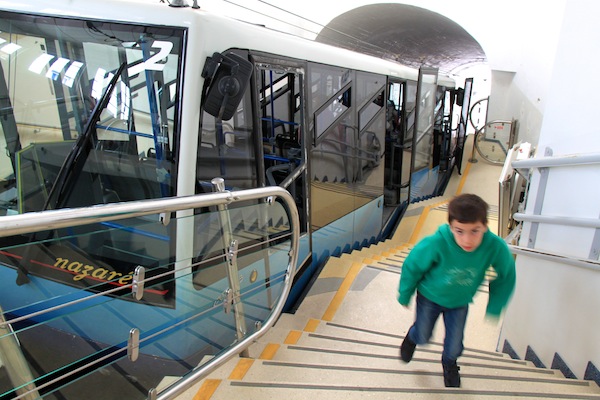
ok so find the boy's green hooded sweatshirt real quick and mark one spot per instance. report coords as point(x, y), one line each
point(447, 275)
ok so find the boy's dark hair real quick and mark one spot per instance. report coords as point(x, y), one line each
point(468, 209)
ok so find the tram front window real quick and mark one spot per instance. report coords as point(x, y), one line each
point(88, 116)
point(53, 74)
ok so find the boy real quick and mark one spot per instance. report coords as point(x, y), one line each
point(446, 269)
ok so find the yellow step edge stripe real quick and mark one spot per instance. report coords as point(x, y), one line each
point(463, 180)
point(292, 337)
point(423, 217)
point(311, 325)
point(269, 351)
point(342, 291)
point(207, 389)
point(439, 204)
point(240, 369)
point(419, 226)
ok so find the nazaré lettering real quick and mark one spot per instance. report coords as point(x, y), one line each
point(86, 270)
point(125, 279)
point(100, 273)
point(61, 263)
point(81, 271)
point(75, 266)
point(112, 275)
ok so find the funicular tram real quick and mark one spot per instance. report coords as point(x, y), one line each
point(98, 108)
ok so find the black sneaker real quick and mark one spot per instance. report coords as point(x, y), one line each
point(451, 375)
point(407, 349)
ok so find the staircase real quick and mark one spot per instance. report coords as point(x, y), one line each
point(334, 361)
point(343, 342)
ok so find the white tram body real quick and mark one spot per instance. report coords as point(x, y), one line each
point(194, 96)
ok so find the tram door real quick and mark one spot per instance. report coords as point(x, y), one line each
point(424, 177)
point(280, 108)
point(398, 136)
point(463, 100)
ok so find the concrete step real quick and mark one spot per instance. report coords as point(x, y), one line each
point(342, 362)
point(352, 356)
point(344, 332)
point(327, 357)
point(393, 260)
point(418, 207)
point(270, 379)
point(334, 344)
point(315, 342)
point(389, 245)
point(382, 249)
point(356, 376)
point(299, 391)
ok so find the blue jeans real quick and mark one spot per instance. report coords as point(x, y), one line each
point(454, 322)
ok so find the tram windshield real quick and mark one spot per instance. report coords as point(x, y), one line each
point(54, 74)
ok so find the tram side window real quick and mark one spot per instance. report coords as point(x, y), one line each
point(281, 125)
point(372, 107)
point(423, 154)
point(348, 111)
point(409, 111)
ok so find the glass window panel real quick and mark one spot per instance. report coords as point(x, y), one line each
point(424, 140)
point(325, 117)
point(325, 82)
point(367, 113)
point(54, 79)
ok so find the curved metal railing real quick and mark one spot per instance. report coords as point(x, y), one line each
point(29, 223)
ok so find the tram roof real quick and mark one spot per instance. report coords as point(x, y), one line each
point(202, 23)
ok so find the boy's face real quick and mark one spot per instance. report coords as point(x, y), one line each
point(469, 235)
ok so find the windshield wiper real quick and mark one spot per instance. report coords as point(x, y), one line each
point(73, 164)
point(70, 170)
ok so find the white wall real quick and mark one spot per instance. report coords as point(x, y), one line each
point(532, 51)
point(553, 312)
point(508, 101)
point(573, 109)
point(502, 82)
point(554, 309)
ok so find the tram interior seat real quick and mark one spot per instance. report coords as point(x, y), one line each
point(288, 147)
point(126, 177)
point(232, 160)
point(40, 164)
point(272, 127)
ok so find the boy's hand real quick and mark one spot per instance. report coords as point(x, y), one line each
point(494, 319)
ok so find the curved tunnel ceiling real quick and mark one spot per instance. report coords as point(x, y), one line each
point(407, 34)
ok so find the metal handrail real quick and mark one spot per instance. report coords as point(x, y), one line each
point(55, 219)
point(543, 164)
point(567, 221)
point(556, 257)
point(558, 161)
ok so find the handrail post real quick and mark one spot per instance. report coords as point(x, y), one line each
point(16, 366)
point(230, 246)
